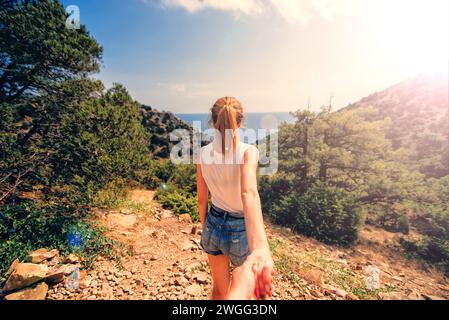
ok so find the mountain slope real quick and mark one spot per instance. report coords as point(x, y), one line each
point(160, 124)
point(165, 262)
point(419, 111)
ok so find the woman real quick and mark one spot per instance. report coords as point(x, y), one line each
point(233, 229)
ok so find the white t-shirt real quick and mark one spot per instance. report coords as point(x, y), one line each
point(223, 176)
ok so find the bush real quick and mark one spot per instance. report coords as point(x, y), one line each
point(433, 250)
point(273, 188)
point(404, 224)
point(103, 141)
point(392, 220)
point(433, 224)
point(28, 227)
point(437, 251)
point(113, 194)
point(179, 201)
point(326, 213)
point(184, 177)
point(158, 173)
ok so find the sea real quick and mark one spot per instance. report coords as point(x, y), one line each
point(261, 123)
point(255, 121)
point(262, 120)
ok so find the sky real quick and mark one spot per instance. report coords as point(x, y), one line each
point(273, 55)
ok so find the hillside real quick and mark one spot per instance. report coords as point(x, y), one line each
point(419, 111)
point(165, 262)
point(160, 124)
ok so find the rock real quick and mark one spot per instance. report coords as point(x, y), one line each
point(185, 218)
point(72, 258)
point(165, 214)
point(201, 278)
point(126, 211)
point(197, 243)
point(56, 260)
point(181, 281)
point(41, 255)
point(429, 297)
point(55, 277)
point(352, 296)
point(12, 267)
point(359, 266)
point(139, 282)
point(316, 294)
point(187, 245)
point(398, 279)
point(341, 293)
point(391, 296)
point(196, 230)
point(313, 276)
point(37, 292)
point(85, 282)
point(193, 290)
point(58, 275)
point(159, 234)
point(414, 295)
point(341, 261)
point(24, 275)
point(293, 293)
point(194, 266)
point(341, 255)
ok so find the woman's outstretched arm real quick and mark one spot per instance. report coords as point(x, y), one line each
point(260, 257)
point(203, 194)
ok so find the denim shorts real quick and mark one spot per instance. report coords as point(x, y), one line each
point(224, 233)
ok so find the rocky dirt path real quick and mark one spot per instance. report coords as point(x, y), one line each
point(165, 262)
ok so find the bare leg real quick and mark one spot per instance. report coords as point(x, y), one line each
point(221, 278)
point(243, 283)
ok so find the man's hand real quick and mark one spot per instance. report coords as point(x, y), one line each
point(263, 268)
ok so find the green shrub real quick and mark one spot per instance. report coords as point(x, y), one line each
point(184, 177)
point(113, 194)
point(436, 250)
point(27, 227)
point(431, 249)
point(179, 201)
point(326, 213)
point(391, 220)
point(404, 224)
point(158, 173)
point(273, 188)
point(433, 224)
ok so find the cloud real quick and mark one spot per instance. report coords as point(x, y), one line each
point(293, 11)
point(303, 11)
point(247, 7)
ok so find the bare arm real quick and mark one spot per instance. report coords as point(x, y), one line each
point(257, 238)
point(260, 258)
point(203, 194)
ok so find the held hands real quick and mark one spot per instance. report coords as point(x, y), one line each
point(263, 268)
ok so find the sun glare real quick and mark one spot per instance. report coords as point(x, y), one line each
point(416, 33)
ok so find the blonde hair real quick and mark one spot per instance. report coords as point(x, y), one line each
point(227, 114)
